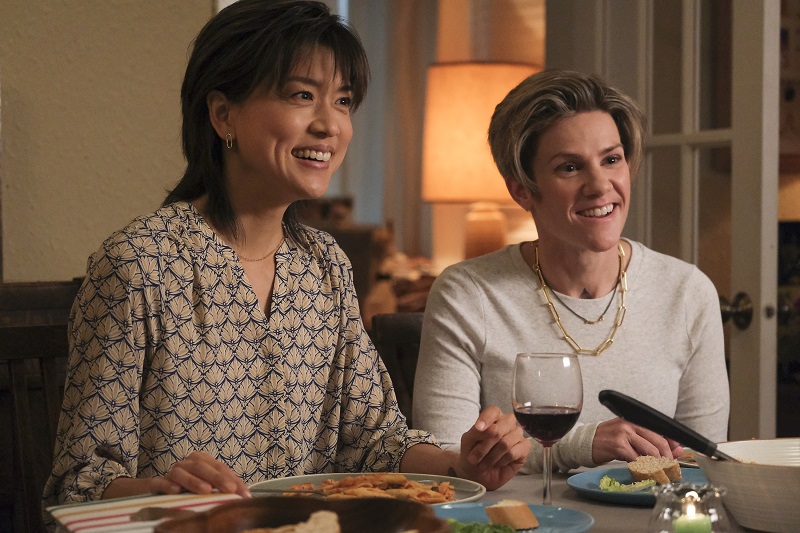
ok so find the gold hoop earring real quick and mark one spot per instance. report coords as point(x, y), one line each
point(229, 141)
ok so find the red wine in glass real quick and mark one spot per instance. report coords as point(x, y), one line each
point(547, 397)
point(547, 424)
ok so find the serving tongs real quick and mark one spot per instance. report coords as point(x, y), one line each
point(643, 415)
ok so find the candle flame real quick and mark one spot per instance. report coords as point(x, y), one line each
point(689, 508)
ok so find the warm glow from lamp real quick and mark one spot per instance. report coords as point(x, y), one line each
point(457, 166)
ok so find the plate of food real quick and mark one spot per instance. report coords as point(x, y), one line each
point(513, 515)
point(588, 484)
point(687, 460)
point(424, 488)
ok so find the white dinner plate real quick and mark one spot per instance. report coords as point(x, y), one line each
point(551, 519)
point(588, 484)
point(466, 490)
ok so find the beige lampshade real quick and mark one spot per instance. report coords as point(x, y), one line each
point(457, 165)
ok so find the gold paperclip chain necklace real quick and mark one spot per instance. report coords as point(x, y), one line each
point(623, 288)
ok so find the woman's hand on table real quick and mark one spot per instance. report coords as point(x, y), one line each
point(199, 473)
point(617, 439)
point(493, 449)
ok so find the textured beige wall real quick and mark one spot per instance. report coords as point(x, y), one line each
point(89, 123)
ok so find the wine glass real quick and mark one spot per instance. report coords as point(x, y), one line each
point(547, 397)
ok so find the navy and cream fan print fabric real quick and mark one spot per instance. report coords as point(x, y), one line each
point(170, 352)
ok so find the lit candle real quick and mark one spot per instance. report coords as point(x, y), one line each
point(691, 521)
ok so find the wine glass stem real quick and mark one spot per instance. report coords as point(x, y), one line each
point(547, 472)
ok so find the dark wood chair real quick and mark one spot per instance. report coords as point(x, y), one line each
point(396, 337)
point(33, 359)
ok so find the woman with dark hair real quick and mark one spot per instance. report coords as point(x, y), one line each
point(568, 146)
point(217, 342)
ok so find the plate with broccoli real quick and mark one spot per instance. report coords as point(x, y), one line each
point(615, 485)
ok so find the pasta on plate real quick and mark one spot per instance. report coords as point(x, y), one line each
point(387, 485)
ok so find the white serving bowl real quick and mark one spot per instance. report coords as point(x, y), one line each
point(763, 492)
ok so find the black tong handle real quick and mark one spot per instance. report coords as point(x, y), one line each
point(643, 415)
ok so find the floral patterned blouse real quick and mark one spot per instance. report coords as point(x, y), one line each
point(171, 353)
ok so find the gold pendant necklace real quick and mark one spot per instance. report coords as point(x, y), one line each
point(623, 288)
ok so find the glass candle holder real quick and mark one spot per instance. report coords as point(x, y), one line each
point(689, 508)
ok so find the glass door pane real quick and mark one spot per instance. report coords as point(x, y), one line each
point(665, 113)
point(665, 186)
point(715, 64)
point(714, 216)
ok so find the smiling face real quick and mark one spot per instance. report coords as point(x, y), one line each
point(288, 141)
point(584, 183)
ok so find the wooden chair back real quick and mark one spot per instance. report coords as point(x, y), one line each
point(33, 360)
point(396, 337)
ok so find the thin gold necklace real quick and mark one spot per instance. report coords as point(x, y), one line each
point(623, 286)
point(586, 320)
point(268, 254)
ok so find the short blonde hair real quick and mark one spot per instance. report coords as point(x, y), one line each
point(543, 99)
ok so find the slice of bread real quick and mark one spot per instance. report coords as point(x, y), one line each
point(661, 469)
point(512, 513)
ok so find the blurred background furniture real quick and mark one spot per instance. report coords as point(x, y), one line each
point(358, 242)
point(33, 360)
point(386, 280)
point(396, 337)
point(334, 215)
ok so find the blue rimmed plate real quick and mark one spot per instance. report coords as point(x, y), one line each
point(588, 484)
point(551, 519)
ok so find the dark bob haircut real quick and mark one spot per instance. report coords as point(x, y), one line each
point(248, 45)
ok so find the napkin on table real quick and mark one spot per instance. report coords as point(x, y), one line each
point(114, 515)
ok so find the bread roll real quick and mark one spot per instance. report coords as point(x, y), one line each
point(512, 513)
point(661, 469)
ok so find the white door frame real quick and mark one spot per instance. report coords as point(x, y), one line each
point(756, 35)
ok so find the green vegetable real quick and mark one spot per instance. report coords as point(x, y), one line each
point(609, 484)
point(474, 527)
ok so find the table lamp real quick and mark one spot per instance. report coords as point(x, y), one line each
point(457, 165)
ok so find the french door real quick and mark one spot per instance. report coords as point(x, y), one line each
point(707, 74)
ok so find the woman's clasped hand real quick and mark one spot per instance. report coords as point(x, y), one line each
point(493, 449)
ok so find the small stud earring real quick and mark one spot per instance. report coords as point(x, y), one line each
point(229, 141)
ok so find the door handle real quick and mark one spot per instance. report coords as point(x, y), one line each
point(740, 311)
